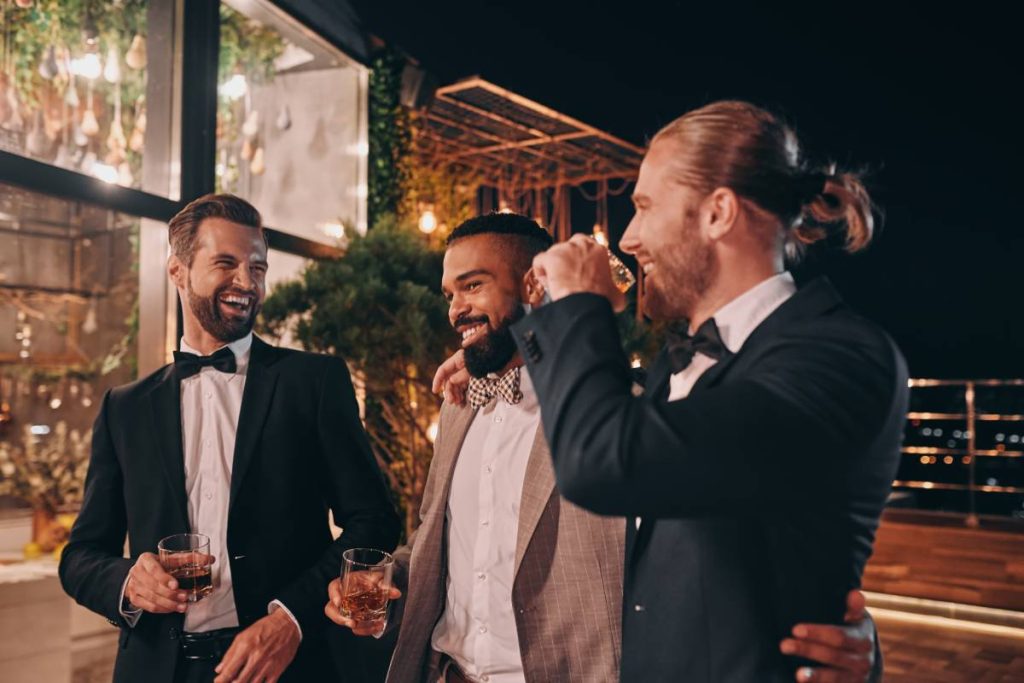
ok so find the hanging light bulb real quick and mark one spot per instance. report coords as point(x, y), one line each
point(87, 66)
point(90, 126)
point(112, 71)
point(135, 58)
point(428, 221)
point(257, 165)
point(71, 96)
point(252, 124)
point(89, 325)
point(235, 87)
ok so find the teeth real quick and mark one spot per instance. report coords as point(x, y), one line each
point(648, 267)
point(239, 300)
point(471, 331)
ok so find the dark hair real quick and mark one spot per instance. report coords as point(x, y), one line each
point(182, 229)
point(524, 236)
point(747, 149)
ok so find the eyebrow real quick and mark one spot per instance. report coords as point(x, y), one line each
point(472, 273)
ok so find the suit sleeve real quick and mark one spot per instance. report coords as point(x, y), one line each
point(93, 568)
point(357, 495)
point(781, 434)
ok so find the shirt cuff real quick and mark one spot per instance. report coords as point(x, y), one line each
point(276, 605)
point(128, 612)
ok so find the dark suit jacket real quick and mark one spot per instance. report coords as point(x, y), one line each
point(300, 450)
point(760, 492)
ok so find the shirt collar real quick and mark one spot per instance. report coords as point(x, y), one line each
point(740, 317)
point(240, 347)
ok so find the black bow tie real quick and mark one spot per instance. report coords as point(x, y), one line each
point(188, 364)
point(707, 340)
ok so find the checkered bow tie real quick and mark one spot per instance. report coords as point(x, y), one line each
point(483, 389)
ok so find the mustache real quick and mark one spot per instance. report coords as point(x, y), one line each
point(470, 320)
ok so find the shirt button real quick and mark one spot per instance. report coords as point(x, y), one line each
point(489, 469)
point(485, 678)
point(481, 576)
point(497, 418)
point(209, 394)
point(484, 523)
point(483, 629)
point(209, 496)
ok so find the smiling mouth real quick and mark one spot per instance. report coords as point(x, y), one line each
point(473, 333)
point(237, 304)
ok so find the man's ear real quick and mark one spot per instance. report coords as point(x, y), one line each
point(533, 290)
point(719, 213)
point(177, 271)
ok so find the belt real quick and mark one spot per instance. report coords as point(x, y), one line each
point(450, 671)
point(208, 645)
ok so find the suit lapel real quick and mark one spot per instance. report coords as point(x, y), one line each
point(260, 380)
point(538, 487)
point(165, 415)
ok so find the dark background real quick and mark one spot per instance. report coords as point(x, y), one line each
point(919, 96)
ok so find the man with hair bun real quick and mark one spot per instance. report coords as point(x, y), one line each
point(757, 462)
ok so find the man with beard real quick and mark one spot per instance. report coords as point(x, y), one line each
point(757, 463)
point(243, 442)
point(504, 581)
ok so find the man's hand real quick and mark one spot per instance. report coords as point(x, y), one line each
point(262, 652)
point(579, 265)
point(452, 378)
point(333, 611)
point(848, 652)
point(152, 589)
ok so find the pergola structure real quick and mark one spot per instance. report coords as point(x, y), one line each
point(524, 155)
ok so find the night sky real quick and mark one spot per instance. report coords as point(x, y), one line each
point(920, 98)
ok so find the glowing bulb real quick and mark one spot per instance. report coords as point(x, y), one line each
point(432, 431)
point(333, 230)
point(104, 172)
point(235, 87)
point(503, 208)
point(87, 66)
point(428, 221)
point(599, 235)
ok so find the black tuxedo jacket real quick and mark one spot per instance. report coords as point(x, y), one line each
point(760, 492)
point(300, 450)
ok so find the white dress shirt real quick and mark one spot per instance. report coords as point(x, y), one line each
point(478, 627)
point(211, 402)
point(736, 321)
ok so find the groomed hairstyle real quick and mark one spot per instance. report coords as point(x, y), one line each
point(747, 149)
point(524, 237)
point(182, 229)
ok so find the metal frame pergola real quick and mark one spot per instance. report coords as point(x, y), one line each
point(525, 156)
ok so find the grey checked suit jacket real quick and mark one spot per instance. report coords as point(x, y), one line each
point(567, 591)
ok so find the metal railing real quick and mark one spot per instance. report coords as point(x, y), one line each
point(969, 453)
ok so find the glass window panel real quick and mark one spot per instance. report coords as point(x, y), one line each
point(69, 286)
point(291, 133)
point(78, 87)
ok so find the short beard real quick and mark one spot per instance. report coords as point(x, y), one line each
point(495, 350)
point(685, 272)
point(207, 312)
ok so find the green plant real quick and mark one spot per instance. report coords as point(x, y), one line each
point(380, 308)
point(389, 137)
